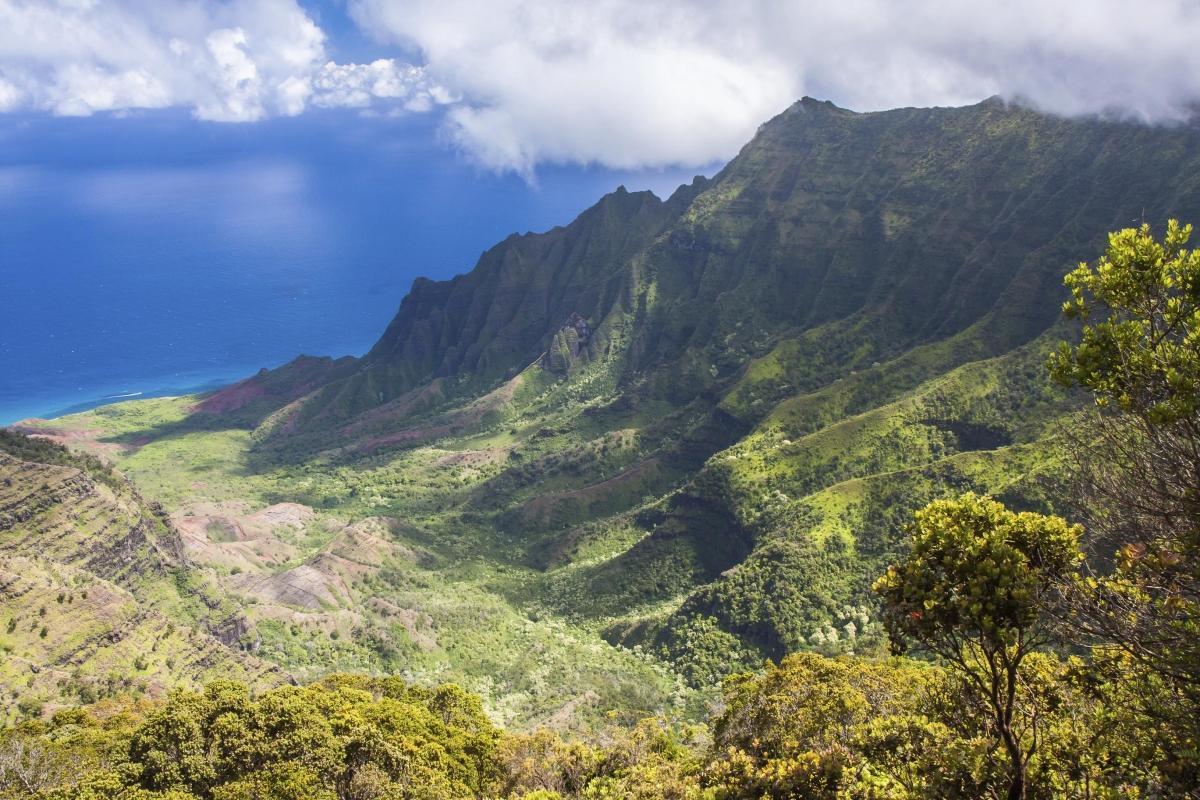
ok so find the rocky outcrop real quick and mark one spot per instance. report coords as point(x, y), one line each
point(568, 346)
point(61, 512)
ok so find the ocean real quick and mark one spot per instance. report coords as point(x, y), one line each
point(159, 255)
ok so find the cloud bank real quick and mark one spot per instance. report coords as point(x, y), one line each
point(232, 61)
point(623, 83)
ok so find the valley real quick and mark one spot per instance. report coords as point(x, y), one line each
point(615, 463)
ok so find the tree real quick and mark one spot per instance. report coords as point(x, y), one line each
point(349, 737)
point(29, 765)
point(802, 728)
point(1136, 464)
point(168, 751)
point(543, 762)
point(975, 589)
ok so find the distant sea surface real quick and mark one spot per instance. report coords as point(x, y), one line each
point(159, 255)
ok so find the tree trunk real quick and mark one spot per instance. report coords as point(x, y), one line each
point(1016, 769)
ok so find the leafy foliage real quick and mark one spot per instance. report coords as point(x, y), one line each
point(1142, 352)
point(977, 575)
point(812, 726)
point(977, 588)
point(345, 737)
point(1136, 471)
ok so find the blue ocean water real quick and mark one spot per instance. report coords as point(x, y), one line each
point(157, 254)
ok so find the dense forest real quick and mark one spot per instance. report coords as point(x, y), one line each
point(1033, 655)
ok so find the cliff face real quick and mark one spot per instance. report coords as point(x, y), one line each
point(485, 326)
point(880, 230)
point(62, 513)
point(890, 229)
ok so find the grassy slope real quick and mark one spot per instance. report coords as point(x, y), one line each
point(431, 601)
point(823, 507)
point(96, 593)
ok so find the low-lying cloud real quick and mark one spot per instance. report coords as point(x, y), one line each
point(624, 83)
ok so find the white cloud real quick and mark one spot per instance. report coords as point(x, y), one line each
point(621, 83)
point(360, 85)
point(625, 83)
point(650, 82)
point(10, 97)
point(232, 61)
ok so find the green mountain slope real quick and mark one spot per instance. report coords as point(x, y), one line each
point(673, 434)
point(879, 231)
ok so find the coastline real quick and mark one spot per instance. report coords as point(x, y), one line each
point(54, 408)
point(19, 402)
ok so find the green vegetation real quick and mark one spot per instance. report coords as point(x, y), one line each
point(28, 448)
point(812, 726)
point(606, 475)
point(976, 589)
point(1136, 475)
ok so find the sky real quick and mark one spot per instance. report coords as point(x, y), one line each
point(514, 84)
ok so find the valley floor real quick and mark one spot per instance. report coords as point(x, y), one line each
point(331, 579)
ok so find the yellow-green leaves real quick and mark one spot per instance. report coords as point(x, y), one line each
point(974, 589)
point(1143, 351)
point(344, 737)
point(976, 570)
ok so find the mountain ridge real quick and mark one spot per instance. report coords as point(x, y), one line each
point(500, 332)
point(688, 430)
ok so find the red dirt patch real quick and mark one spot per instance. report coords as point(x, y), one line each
point(542, 510)
point(231, 398)
point(452, 422)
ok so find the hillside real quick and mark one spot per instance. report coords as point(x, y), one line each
point(97, 592)
point(841, 238)
point(671, 438)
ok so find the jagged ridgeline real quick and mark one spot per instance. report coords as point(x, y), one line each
point(879, 231)
point(698, 425)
